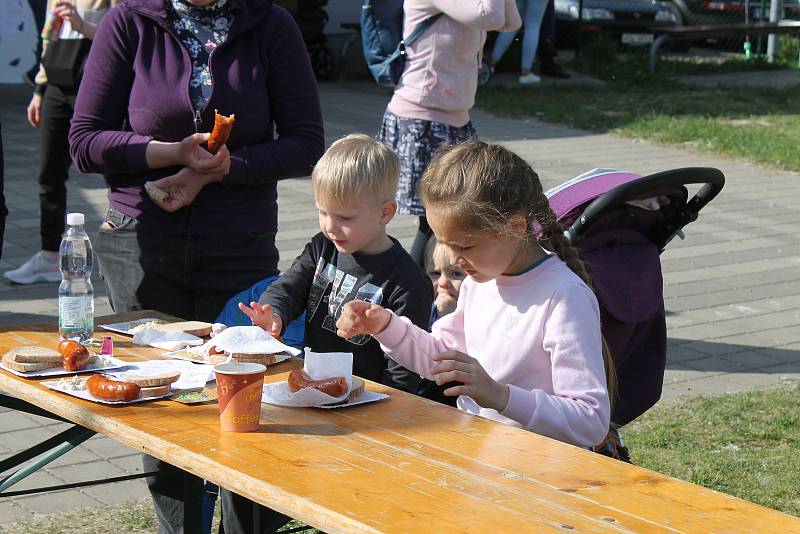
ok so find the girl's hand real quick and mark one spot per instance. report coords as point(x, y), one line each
point(191, 154)
point(359, 317)
point(263, 317)
point(35, 111)
point(66, 10)
point(445, 303)
point(475, 382)
point(182, 188)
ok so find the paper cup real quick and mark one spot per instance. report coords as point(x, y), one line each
point(239, 390)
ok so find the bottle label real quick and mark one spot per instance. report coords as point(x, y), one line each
point(76, 312)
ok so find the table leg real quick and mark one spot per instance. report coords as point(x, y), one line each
point(69, 439)
point(7, 401)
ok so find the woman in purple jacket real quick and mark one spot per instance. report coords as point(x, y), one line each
point(157, 72)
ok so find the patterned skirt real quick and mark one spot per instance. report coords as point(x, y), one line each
point(415, 141)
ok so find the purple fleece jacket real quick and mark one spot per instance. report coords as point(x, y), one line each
point(135, 88)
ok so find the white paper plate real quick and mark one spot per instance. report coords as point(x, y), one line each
point(364, 398)
point(60, 371)
point(127, 326)
point(278, 393)
point(83, 394)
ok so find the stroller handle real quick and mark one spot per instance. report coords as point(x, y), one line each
point(713, 179)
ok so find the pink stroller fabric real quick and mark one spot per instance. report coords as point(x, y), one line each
point(625, 268)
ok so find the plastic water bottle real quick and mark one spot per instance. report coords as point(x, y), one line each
point(75, 294)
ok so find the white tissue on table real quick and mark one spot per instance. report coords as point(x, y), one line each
point(249, 340)
point(317, 365)
point(217, 329)
point(166, 340)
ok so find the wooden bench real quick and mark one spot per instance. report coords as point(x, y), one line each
point(716, 30)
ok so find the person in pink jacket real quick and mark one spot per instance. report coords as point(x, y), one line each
point(431, 103)
point(523, 346)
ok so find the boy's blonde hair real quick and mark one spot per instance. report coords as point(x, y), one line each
point(354, 165)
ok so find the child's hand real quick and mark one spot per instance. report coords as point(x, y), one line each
point(445, 303)
point(475, 382)
point(264, 317)
point(359, 317)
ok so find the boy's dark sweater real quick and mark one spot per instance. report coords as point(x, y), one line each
point(322, 278)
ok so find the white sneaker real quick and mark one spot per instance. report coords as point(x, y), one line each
point(39, 268)
point(529, 79)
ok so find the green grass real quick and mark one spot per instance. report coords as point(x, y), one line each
point(131, 518)
point(761, 124)
point(743, 444)
point(136, 517)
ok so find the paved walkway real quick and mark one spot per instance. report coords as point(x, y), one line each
point(732, 288)
point(756, 78)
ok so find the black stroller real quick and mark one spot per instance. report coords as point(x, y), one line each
point(621, 222)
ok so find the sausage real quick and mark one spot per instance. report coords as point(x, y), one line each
point(221, 131)
point(111, 390)
point(335, 386)
point(74, 356)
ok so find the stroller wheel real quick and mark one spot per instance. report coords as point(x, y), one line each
point(323, 62)
point(485, 73)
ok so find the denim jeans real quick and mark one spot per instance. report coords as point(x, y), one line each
point(532, 12)
point(190, 277)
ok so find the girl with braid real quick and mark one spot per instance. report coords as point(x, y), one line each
point(523, 346)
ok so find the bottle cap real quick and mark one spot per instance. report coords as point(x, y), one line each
point(75, 219)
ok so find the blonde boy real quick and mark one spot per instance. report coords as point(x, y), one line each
point(351, 258)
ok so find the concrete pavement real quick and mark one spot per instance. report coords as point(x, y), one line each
point(732, 288)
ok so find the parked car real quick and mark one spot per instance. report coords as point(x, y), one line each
point(695, 12)
point(632, 20)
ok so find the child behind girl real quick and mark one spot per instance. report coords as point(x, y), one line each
point(445, 277)
point(523, 346)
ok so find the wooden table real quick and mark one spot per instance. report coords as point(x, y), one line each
point(404, 464)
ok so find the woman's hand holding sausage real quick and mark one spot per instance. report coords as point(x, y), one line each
point(191, 154)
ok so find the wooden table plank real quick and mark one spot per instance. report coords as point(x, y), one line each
point(399, 465)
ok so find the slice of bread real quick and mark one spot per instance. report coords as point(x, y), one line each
point(155, 192)
point(195, 328)
point(150, 381)
point(30, 358)
point(26, 367)
point(358, 387)
point(263, 359)
point(33, 354)
point(155, 391)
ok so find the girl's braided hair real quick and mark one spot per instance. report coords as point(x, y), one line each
point(482, 186)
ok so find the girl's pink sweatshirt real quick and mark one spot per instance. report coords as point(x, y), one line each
point(441, 73)
point(538, 332)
